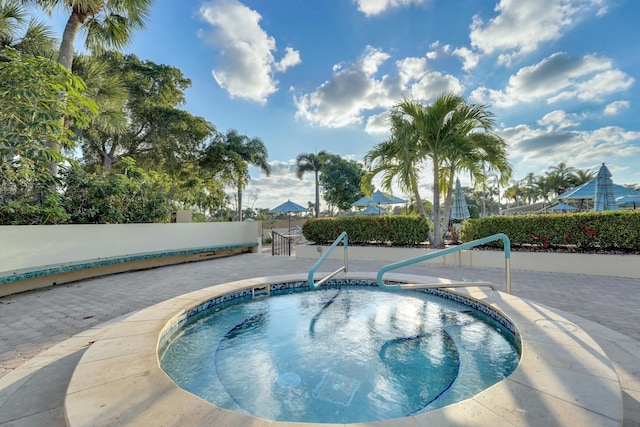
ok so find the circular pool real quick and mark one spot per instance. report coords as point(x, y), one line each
point(344, 354)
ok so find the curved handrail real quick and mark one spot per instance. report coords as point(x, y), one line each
point(400, 264)
point(342, 236)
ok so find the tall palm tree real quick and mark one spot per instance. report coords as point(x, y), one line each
point(108, 24)
point(397, 159)
point(231, 155)
point(310, 162)
point(240, 152)
point(439, 127)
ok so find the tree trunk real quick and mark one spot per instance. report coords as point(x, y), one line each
point(416, 193)
point(448, 201)
point(239, 202)
point(65, 58)
point(437, 229)
point(65, 54)
point(317, 196)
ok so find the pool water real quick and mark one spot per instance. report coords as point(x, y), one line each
point(340, 355)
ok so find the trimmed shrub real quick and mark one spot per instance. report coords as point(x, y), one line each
point(595, 230)
point(361, 230)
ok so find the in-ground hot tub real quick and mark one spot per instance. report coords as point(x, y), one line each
point(346, 353)
point(563, 378)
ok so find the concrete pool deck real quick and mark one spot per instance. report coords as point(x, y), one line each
point(44, 333)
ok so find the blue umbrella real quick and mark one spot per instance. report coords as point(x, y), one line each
point(460, 210)
point(288, 207)
point(378, 198)
point(370, 210)
point(563, 207)
point(629, 200)
point(587, 191)
point(603, 199)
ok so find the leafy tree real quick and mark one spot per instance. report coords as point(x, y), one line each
point(229, 156)
point(310, 162)
point(35, 95)
point(107, 24)
point(157, 133)
point(341, 181)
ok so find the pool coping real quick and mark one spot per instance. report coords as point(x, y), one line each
point(564, 377)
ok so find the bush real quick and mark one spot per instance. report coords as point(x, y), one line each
point(597, 230)
point(393, 230)
point(112, 197)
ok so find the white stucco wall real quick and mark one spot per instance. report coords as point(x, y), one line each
point(25, 246)
point(591, 264)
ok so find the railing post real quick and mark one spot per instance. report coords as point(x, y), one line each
point(442, 252)
point(343, 237)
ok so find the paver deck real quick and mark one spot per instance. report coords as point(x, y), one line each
point(44, 333)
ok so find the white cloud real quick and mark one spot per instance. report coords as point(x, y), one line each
point(559, 119)
point(535, 149)
point(558, 77)
point(469, 58)
point(377, 7)
point(280, 185)
point(245, 61)
point(615, 107)
point(378, 124)
point(438, 50)
point(355, 89)
point(291, 58)
point(521, 26)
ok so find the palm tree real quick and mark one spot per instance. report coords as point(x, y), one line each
point(582, 176)
point(110, 123)
point(310, 162)
point(480, 154)
point(397, 159)
point(231, 155)
point(560, 178)
point(28, 36)
point(440, 127)
point(108, 24)
point(529, 192)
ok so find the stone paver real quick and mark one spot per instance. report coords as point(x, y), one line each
point(33, 322)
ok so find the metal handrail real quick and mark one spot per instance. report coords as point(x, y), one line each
point(342, 236)
point(400, 264)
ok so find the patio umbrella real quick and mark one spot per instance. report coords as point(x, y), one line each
point(460, 210)
point(370, 210)
point(603, 200)
point(587, 191)
point(562, 207)
point(378, 198)
point(288, 207)
point(629, 200)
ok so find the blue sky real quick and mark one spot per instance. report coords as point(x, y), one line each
point(304, 76)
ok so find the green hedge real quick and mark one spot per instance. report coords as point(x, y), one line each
point(597, 230)
point(394, 230)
